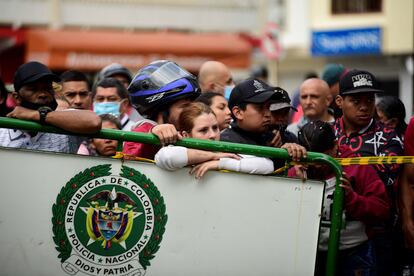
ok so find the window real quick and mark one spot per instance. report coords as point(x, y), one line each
point(356, 6)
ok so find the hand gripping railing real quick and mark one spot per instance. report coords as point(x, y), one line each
point(147, 138)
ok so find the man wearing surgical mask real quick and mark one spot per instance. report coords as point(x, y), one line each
point(215, 76)
point(111, 97)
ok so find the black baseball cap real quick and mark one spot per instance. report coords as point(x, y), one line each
point(251, 91)
point(281, 100)
point(31, 72)
point(358, 81)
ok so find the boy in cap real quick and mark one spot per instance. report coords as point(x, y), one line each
point(280, 112)
point(249, 103)
point(35, 100)
point(358, 131)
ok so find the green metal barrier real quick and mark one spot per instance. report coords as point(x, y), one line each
point(146, 138)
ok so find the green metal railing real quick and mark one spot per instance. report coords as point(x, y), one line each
point(146, 138)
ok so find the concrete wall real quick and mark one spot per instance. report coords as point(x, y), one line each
point(192, 15)
point(396, 20)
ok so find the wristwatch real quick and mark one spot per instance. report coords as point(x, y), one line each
point(43, 111)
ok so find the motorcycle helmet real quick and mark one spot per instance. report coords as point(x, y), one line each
point(159, 84)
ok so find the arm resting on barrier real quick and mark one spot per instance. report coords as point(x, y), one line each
point(174, 157)
point(80, 121)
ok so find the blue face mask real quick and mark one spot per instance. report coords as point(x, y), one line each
point(227, 91)
point(107, 108)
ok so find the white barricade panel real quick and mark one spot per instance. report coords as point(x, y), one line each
point(77, 215)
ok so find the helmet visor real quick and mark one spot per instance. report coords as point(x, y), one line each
point(165, 74)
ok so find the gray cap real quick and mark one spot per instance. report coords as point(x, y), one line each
point(114, 69)
point(282, 101)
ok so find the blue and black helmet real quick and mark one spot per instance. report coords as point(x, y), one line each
point(159, 84)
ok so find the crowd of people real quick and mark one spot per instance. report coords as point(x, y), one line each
point(343, 114)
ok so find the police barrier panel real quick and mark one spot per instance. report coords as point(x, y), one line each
point(105, 217)
point(219, 232)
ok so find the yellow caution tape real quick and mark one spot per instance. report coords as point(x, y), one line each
point(120, 155)
point(368, 160)
point(376, 160)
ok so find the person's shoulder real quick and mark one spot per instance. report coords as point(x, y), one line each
point(144, 125)
point(227, 134)
point(293, 128)
point(410, 127)
point(289, 137)
point(388, 134)
point(231, 135)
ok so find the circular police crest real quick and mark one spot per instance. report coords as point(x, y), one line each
point(106, 224)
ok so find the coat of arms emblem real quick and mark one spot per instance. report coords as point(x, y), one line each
point(108, 224)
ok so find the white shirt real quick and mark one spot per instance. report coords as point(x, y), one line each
point(15, 138)
point(174, 157)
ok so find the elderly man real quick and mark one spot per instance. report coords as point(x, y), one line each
point(215, 76)
point(315, 99)
point(35, 100)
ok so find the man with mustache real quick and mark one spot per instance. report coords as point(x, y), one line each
point(315, 99)
point(35, 100)
point(358, 131)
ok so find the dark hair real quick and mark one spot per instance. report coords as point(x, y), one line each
point(111, 118)
point(317, 136)
point(241, 106)
point(3, 91)
point(259, 71)
point(189, 113)
point(311, 75)
point(74, 75)
point(111, 82)
point(393, 107)
point(206, 97)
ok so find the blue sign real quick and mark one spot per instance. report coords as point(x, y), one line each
point(346, 42)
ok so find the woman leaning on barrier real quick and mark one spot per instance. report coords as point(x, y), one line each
point(197, 120)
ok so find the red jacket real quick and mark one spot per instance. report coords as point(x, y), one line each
point(139, 149)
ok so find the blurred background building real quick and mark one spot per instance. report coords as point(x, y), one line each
point(289, 38)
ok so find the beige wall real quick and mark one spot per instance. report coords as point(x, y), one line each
point(396, 21)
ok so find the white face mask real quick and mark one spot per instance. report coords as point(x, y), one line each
point(227, 91)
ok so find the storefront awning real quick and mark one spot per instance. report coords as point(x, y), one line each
point(92, 50)
point(10, 38)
